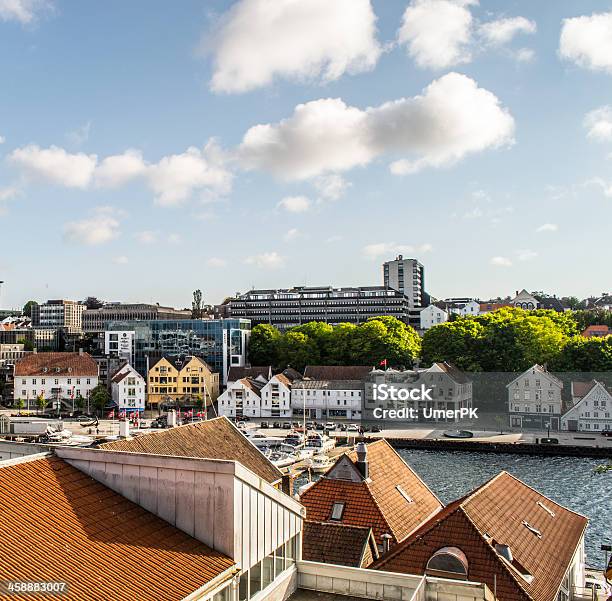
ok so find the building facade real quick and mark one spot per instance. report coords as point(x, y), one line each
point(63, 315)
point(534, 400)
point(432, 316)
point(191, 381)
point(128, 389)
point(95, 320)
point(241, 399)
point(221, 343)
point(59, 377)
point(592, 413)
point(327, 399)
point(406, 276)
point(287, 308)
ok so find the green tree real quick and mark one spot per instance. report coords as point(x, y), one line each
point(100, 397)
point(566, 321)
point(79, 402)
point(27, 344)
point(458, 342)
point(27, 308)
point(20, 405)
point(264, 345)
point(41, 402)
point(585, 354)
point(196, 305)
point(319, 333)
point(338, 345)
point(298, 350)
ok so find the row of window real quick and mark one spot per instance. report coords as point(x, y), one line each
point(43, 381)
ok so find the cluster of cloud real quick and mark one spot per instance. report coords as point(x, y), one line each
point(521, 255)
point(173, 179)
point(382, 249)
point(267, 260)
point(260, 40)
point(295, 204)
point(548, 227)
point(453, 117)
point(587, 41)
point(22, 11)
point(439, 34)
point(598, 123)
point(101, 227)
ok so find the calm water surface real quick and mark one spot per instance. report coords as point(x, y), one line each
point(569, 481)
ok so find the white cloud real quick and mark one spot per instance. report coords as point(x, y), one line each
point(175, 239)
point(587, 41)
point(335, 238)
point(295, 204)
point(261, 40)
point(332, 186)
point(176, 177)
point(216, 262)
point(437, 33)
point(2, 139)
point(524, 55)
point(453, 117)
point(443, 33)
point(269, 260)
point(102, 227)
point(598, 122)
point(8, 192)
point(526, 255)
point(501, 262)
point(56, 165)
point(605, 186)
point(117, 170)
point(548, 227)
point(373, 251)
point(502, 31)
point(121, 260)
point(146, 237)
point(291, 234)
point(22, 11)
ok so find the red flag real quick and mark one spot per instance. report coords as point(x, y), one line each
point(383, 363)
point(121, 414)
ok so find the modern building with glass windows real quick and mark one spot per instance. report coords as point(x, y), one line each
point(222, 343)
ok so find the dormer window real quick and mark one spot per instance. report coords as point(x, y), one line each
point(449, 562)
point(337, 511)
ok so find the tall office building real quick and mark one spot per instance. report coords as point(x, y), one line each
point(406, 276)
point(63, 315)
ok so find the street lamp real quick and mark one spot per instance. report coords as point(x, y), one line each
point(548, 429)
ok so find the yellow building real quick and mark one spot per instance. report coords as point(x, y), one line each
point(186, 383)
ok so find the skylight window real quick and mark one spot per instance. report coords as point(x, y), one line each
point(532, 529)
point(337, 511)
point(548, 510)
point(404, 494)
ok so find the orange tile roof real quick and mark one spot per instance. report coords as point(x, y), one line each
point(212, 439)
point(375, 502)
point(494, 513)
point(62, 364)
point(341, 544)
point(58, 524)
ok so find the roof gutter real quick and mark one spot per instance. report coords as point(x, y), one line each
point(214, 584)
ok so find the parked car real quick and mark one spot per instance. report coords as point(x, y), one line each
point(296, 424)
point(342, 427)
point(330, 426)
point(319, 427)
point(310, 425)
point(287, 426)
point(375, 429)
point(277, 425)
point(353, 428)
point(606, 432)
point(264, 425)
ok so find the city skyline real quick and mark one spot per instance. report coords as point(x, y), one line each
point(177, 157)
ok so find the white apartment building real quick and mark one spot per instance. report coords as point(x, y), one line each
point(128, 389)
point(432, 316)
point(327, 399)
point(56, 376)
point(241, 399)
point(276, 397)
point(591, 413)
point(534, 400)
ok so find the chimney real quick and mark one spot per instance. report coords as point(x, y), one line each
point(516, 293)
point(80, 351)
point(362, 460)
point(171, 418)
point(386, 542)
point(35, 350)
point(124, 428)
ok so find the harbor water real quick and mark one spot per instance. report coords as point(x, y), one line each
point(569, 481)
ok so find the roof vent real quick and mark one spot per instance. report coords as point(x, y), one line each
point(532, 529)
point(548, 510)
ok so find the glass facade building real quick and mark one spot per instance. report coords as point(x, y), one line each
point(222, 343)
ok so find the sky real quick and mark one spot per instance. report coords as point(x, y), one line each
point(149, 148)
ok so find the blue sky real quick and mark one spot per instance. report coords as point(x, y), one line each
point(132, 167)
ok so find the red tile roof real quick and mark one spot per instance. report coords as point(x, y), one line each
point(596, 330)
point(341, 544)
point(581, 389)
point(58, 524)
point(212, 439)
point(498, 512)
point(62, 364)
point(376, 502)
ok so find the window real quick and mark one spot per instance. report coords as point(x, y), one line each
point(337, 511)
point(404, 494)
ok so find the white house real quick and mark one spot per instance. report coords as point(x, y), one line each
point(327, 399)
point(592, 413)
point(534, 399)
point(524, 300)
point(276, 397)
point(128, 389)
point(241, 399)
point(432, 316)
point(58, 377)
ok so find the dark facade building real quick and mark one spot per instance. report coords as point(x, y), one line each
point(95, 320)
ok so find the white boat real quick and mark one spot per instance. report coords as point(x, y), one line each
point(320, 464)
point(320, 443)
point(281, 459)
